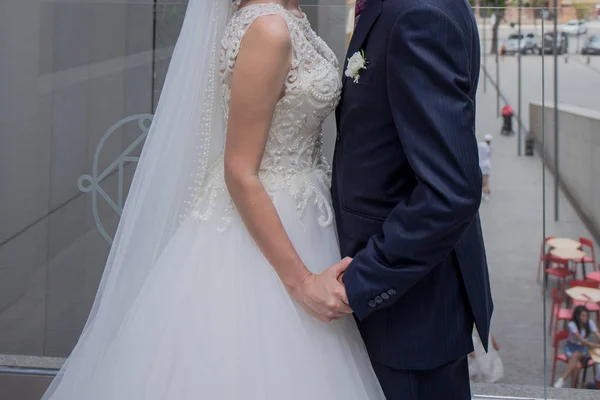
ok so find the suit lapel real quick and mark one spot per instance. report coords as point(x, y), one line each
point(363, 27)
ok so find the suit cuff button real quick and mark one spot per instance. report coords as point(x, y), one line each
point(385, 296)
point(372, 304)
point(391, 292)
point(378, 300)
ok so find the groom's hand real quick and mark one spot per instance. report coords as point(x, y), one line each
point(323, 296)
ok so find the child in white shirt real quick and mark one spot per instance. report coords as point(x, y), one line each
point(485, 163)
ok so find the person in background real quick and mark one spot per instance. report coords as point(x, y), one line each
point(507, 115)
point(485, 367)
point(581, 328)
point(485, 163)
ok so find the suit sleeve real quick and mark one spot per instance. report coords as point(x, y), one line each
point(429, 89)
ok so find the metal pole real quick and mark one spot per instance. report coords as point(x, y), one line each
point(557, 40)
point(545, 276)
point(153, 73)
point(519, 80)
point(484, 52)
point(497, 64)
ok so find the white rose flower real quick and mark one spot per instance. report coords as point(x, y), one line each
point(355, 64)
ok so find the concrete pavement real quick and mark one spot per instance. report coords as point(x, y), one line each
point(513, 223)
point(578, 82)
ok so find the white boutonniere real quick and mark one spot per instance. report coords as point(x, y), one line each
point(356, 63)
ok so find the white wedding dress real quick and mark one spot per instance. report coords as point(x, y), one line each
point(213, 321)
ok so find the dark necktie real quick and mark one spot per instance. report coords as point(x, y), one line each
point(360, 6)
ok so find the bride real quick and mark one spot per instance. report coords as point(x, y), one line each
point(216, 286)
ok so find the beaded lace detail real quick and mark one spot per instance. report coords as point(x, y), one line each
point(293, 158)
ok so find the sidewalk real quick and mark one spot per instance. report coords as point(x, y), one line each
point(513, 230)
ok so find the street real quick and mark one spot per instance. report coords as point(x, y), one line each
point(504, 30)
point(578, 82)
point(578, 75)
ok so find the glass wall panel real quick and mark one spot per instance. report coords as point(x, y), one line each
point(536, 54)
point(80, 80)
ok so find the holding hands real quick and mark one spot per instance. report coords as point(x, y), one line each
point(323, 295)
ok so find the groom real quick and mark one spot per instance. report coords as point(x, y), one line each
point(407, 189)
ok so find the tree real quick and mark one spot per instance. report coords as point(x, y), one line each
point(537, 8)
point(499, 7)
point(582, 11)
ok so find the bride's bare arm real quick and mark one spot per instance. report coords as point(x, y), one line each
point(258, 77)
point(257, 83)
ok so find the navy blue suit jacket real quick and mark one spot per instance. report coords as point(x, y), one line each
point(407, 184)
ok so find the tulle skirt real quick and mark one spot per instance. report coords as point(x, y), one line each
point(213, 321)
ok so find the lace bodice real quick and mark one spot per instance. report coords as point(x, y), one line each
point(293, 156)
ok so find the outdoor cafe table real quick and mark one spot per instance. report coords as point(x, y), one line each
point(586, 294)
point(563, 243)
point(560, 243)
point(573, 255)
point(595, 354)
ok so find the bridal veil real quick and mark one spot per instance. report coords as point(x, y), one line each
point(185, 138)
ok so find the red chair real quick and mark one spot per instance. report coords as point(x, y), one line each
point(591, 306)
point(594, 276)
point(560, 337)
point(557, 312)
point(560, 270)
point(587, 245)
point(542, 256)
point(584, 283)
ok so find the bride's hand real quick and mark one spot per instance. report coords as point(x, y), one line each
point(323, 296)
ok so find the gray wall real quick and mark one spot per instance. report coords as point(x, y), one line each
point(68, 72)
point(578, 154)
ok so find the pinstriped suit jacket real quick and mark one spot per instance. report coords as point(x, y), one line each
point(407, 184)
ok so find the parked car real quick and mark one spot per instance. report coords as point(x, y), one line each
point(575, 27)
point(562, 43)
point(526, 44)
point(592, 45)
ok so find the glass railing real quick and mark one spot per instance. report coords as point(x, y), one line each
point(81, 81)
point(533, 58)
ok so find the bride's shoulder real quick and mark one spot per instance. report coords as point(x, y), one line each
point(260, 28)
point(271, 27)
point(252, 11)
point(266, 22)
point(268, 31)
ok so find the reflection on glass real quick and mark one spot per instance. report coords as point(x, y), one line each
point(72, 70)
point(539, 60)
point(71, 86)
